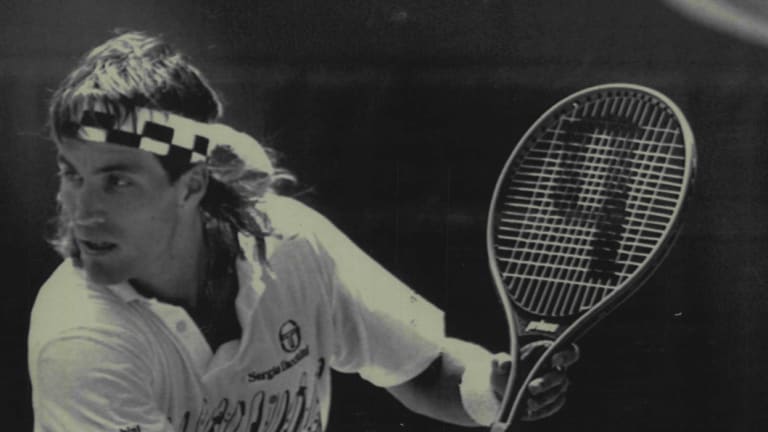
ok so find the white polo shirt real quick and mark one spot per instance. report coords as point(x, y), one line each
point(105, 358)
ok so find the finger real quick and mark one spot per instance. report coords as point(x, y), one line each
point(546, 382)
point(546, 411)
point(538, 402)
point(501, 367)
point(563, 359)
point(528, 349)
point(503, 362)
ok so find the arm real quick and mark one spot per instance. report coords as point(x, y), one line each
point(395, 339)
point(81, 384)
point(436, 391)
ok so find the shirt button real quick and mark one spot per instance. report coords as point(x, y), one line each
point(181, 326)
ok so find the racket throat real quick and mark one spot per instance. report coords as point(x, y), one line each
point(542, 327)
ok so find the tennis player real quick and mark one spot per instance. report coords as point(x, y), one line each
point(193, 297)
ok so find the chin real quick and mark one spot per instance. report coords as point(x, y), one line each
point(103, 274)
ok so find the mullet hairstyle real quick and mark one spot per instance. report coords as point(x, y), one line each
point(134, 70)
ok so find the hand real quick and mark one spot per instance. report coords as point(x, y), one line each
point(547, 393)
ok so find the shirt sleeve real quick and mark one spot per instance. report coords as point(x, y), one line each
point(382, 329)
point(85, 384)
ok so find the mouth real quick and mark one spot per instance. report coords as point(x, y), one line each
point(95, 248)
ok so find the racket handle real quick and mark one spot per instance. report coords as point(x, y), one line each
point(498, 428)
point(528, 358)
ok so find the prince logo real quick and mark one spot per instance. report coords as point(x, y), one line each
point(290, 336)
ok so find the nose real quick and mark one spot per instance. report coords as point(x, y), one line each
point(83, 205)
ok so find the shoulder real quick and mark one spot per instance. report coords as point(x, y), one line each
point(90, 381)
point(84, 337)
point(290, 217)
point(69, 307)
point(297, 227)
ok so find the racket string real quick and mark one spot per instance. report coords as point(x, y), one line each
point(540, 256)
point(587, 141)
point(676, 138)
point(595, 151)
point(535, 290)
point(602, 152)
point(562, 267)
point(528, 295)
point(582, 292)
point(557, 246)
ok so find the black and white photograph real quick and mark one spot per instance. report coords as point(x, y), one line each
point(424, 216)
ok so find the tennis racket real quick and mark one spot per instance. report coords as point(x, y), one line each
point(586, 208)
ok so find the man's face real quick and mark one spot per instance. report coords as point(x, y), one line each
point(123, 210)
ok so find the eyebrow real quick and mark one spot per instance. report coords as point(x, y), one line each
point(112, 167)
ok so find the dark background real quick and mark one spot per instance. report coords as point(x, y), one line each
point(397, 117)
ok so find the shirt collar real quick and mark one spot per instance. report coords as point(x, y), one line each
point(126, 292)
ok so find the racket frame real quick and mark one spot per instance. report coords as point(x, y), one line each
point(596, 313)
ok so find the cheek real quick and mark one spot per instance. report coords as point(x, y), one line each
point(156, 222)
point(65, 199)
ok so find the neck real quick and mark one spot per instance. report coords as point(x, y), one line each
point(179, 276)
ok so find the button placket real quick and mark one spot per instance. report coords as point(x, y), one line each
point(179, 323)
point(181, 326)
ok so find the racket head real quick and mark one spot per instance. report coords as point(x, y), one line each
point(579, 166)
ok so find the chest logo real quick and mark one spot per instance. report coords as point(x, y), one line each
point(290, 336)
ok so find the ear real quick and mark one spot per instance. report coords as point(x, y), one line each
point(192, 185)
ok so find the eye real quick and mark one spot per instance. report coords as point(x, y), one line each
point(118, 181)
point(69, 175)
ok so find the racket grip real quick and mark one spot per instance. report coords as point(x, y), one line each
point(498, 428)
point(530, 354)
point(516, 398)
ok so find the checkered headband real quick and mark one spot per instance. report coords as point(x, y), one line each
point(171, 136)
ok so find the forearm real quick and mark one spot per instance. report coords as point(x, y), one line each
point(465, 384)
point(435, 392)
